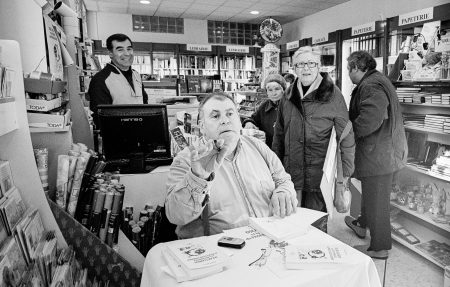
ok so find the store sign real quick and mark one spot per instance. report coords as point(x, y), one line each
point(363, 29)
point(444, 44)
point(292, 45)
point(198, 47)
point(237, 49)
point(416, 16)
point(320, 39)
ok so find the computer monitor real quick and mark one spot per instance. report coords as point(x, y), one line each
point(135, 138)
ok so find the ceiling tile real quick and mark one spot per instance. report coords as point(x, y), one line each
point(263, 6)
point(169, 4)
point(203, 7)
point(210, 2)
point(168, 14)
point(118, 10)
point(194, 15)
point(228, 10)
point(237, 3)
point(218, 17)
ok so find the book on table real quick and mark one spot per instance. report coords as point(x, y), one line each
point(193, 259)
point(281, 229)
point(316, 256)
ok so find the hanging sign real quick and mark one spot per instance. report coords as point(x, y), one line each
point(292, 45)
point(320, 39)
point(363, 29)
point(416, 16)
point(237, 49)
point(198, 47)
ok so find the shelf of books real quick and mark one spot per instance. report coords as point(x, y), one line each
point(424, 241)
point(198, 65)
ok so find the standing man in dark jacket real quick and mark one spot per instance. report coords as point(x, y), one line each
point(307, 113)
point(381, 149)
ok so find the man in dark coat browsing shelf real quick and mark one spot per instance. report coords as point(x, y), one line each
point(381, 149)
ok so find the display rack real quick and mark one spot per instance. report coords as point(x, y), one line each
point(422, 225)
point(16, 145)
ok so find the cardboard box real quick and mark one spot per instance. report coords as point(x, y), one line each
point(40, 120)
point(44, 86)
point(42, 105)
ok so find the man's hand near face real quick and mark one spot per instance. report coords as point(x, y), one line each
point(283, 204)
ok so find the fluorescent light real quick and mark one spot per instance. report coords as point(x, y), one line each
point(254, 12)
point(144, 2)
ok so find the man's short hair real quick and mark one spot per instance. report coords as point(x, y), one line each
point(361, 60)
point(118, 38)
point(221, 96)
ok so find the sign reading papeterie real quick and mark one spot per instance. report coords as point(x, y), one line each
point(198, 47)
point(292, 45)
point(416, 16)
point(320, 39)
point(363, 29)
point(237, 49)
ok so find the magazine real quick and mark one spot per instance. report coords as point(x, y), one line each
point(12, 209)
point(17, 265)
point(314, 256)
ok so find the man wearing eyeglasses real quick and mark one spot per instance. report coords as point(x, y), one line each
point(117, 82)
point(311, 107)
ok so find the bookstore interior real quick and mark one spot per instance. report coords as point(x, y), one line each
point(83, 193)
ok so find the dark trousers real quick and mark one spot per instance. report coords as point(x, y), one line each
point(375, 207)
point(314, 200)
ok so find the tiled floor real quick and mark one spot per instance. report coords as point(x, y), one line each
point(404, 267)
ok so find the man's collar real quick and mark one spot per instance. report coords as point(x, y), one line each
point(314, 86)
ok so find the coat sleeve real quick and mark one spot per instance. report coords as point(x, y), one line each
point(185, 192)
point(373, 110)
point(278, 135)
point(98, 95)
point(347, 144)
point(256, 117)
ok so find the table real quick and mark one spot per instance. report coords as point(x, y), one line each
point(360, 271)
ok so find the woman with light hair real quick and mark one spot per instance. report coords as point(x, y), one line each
point(312, 105)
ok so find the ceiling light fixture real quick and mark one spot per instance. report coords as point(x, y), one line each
point(254, 12)
point(144, 2)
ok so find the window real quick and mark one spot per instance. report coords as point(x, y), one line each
point(155, 24)
point(231, 33)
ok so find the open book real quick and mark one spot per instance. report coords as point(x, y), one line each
point(316, 256)
point(280, 229)
point(192, 259)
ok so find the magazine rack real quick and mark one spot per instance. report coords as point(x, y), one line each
point(16, 146)
point(101, 260)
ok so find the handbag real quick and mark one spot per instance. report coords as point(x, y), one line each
point(342, 195)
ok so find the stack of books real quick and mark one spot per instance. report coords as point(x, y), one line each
point(435, 122)
point(437, 250)
point(445, 98)
point(193, 259)
point(413, 120)
point(447, 126)
point(441, 168)
point(282, 229)
point(405, 94)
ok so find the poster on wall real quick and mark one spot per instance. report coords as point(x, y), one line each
point(54, 56)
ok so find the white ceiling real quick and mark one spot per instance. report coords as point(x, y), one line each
point(220, 10)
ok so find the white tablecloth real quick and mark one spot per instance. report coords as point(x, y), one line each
point(358, 271)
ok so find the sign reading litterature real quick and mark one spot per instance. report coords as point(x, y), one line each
point(237, 49)
point(198, 47)
point(363, 29)
point(292, 45)
point(320, 39)
point(416, 16)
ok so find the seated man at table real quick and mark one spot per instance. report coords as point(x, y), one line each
point(225, 178)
